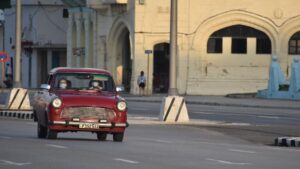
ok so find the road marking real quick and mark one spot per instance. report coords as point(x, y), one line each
point(226, 162)
point(238, 124)
point(156, 140)
point(4, 137)
point(56, 146)
point(161, 141)
point(242, 151)
point(269, 117)
point(126, 161)
point(14, 163)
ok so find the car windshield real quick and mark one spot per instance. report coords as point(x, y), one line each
point(84, 81)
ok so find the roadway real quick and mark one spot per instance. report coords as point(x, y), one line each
point(238, 139)
point(226, 114)
point(145, 146)
point(256, 125)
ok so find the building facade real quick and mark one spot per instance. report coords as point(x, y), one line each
point(224, 46)
point(44, 30)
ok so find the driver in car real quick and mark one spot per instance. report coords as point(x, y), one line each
point(95, 85)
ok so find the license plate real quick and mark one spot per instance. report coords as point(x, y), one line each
point(88, 126)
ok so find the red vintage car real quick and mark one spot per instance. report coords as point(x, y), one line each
point(80, 99)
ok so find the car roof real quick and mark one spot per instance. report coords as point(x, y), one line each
point(78, 70)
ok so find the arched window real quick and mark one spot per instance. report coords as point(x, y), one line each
point(294, 44)
point(239, 35)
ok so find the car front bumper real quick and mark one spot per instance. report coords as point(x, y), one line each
point(101, 125)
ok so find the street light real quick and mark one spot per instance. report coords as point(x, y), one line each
point(17, 72)
point(173, 49)
point(173, 108)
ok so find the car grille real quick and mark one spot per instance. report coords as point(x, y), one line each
point(88, 113)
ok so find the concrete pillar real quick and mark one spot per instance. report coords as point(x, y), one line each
point(49, 59)
point(95, 39)
point(70, 40)
point(87, 28)
point(78, 37)
point(34, 69)
point(227, 46)
point(251, 46)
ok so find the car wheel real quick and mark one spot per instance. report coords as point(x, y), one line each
point(51, 134)
point(35, 116)
point(41, 131)
point(101, 136)
point(118, 137)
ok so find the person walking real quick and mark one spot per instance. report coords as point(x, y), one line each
point(141, 81)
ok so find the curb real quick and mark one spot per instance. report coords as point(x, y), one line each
point(217, 104)
point(287, 141)
point(27, 115)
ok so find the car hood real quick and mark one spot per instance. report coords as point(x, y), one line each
point(88, 99)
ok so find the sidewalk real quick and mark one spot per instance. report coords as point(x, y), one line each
point(239, 101)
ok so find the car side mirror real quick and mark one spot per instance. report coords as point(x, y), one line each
point(120, 89)
point(45, 87)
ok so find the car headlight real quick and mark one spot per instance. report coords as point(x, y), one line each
point(121, 106)
point(56, 103)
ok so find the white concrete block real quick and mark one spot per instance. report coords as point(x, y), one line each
point(173, 109)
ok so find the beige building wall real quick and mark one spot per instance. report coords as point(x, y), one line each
point(198, 72)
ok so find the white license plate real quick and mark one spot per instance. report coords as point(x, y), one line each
point(88, 126)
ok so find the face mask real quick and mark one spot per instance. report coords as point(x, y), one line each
point(95, 84)
point(63, 85)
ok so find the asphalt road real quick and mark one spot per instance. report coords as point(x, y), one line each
point(145, 146)
point(226, 114)
point(256, 125)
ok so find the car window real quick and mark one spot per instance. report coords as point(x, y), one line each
point(84, 81)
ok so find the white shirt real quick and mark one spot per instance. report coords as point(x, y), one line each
point(141, 79)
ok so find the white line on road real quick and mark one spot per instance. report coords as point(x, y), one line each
point(56, 146)
point(4, 137)
point(14, 163)
point(242, 151)
point(269, 117)
point(161, 141)
point(226, 162)
point(156, 140)
point(126, 161)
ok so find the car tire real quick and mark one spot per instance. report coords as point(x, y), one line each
point(51, 134)
point(101, 136)
point(34, 116)
point(41, 131)
point(118, 137)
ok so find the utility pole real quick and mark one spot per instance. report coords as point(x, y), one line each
point(173, 49)
point(17, 72)
point(173, 108)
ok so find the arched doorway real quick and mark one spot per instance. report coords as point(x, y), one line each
point(121, 56)
point(161, 68)
point(126, 62)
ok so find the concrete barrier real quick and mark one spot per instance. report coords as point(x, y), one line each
point(173, 109)
point(287, 141)
point(17, 105)
point(18, 100)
